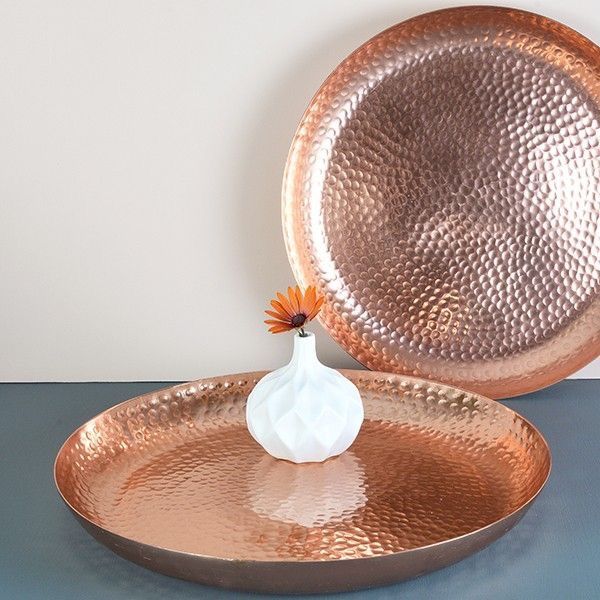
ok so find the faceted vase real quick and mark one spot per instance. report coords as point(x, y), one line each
point(305, 411)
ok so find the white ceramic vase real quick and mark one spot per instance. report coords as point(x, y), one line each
point(305, 411)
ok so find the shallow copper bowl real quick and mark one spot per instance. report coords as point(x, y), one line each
point(443, 192)
point(173, 481)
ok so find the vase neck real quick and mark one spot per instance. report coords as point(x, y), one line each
point(305, 350)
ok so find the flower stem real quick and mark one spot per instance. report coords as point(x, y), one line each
point(301, 332)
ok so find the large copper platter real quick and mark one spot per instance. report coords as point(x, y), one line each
point(173, 481)
point(443, 192)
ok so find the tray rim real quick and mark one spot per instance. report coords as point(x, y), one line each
point(522, 508)
point(591, 351)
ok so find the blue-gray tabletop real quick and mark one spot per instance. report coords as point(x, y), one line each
point(554, 552)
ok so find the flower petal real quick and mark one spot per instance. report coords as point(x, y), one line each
point(275, 322)
point(293, 300)
point(310, 298)
point(317, 308)
point(277, 315)
point(285, 303)
point(299, 299)
point(281, 310)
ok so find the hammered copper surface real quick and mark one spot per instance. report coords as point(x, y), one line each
point(174, 481)
point(443, 192)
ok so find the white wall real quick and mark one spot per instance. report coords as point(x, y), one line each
point(142, 145)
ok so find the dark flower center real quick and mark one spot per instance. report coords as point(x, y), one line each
point(298, 320)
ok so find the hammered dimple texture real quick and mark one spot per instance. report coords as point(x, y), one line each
point(177, 470)
point(443, 193)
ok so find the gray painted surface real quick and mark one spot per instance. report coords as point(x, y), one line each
point(553, 553)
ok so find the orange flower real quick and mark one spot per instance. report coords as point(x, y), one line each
point(294, 311)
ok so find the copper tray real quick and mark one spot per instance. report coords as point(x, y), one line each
point(173, 481)
point(443, 192)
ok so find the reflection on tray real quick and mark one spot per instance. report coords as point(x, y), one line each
point(309, 495)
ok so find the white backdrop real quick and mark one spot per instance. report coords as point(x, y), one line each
point(141, 152)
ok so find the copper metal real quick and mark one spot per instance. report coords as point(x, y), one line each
point(443, 192)
point(173, 481)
